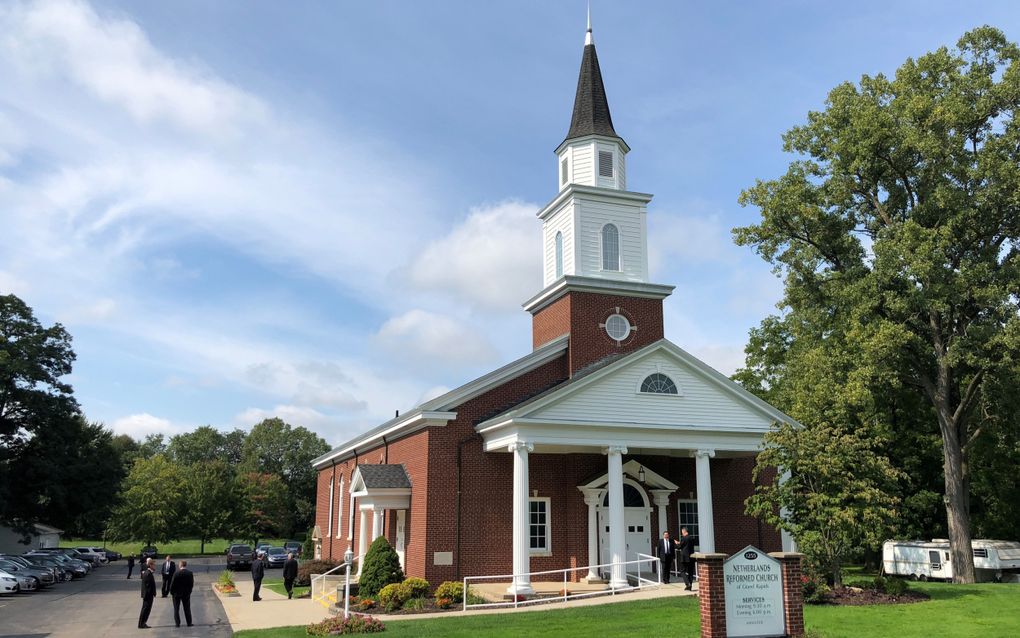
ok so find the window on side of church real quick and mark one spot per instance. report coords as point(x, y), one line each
point(340, 510)
point(658, 383)
point(559, 254)
point(610, 247)
point(538, 525)
point(689, 518)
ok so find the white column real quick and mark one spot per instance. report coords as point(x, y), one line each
point(661, 499)
point(591, 499)
point(362, 540)
point(378, 523)
point(789, 542)
point(617, 538)
point(521, 584)
point(706, 526)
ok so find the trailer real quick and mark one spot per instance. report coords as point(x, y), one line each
point(994, 561)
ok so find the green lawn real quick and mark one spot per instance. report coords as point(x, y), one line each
point(985, 611)
point(276, 584)
point(188, 547)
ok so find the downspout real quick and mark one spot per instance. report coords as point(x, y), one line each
point(460, 449)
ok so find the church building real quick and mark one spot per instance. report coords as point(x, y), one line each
point(583, 451)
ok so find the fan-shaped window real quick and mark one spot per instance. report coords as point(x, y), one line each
point(631, 497)
point(559, 255)
point(610, 247)
point(658, 383)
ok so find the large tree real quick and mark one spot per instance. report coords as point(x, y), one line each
point(211, 501)
point(151, 503)
point(902, 219)
point(264, 508)
point(206, 443)
point(33, 361)
point(274, 446)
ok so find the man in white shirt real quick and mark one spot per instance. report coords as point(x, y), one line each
point(169, 567)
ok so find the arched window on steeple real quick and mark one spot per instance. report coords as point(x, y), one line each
point(610, 247)
point(559, 254)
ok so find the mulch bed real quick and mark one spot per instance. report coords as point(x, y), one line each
point(857, 596)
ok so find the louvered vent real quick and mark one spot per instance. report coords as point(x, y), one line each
point(605, 163)
point(563, 171)
point(981, 553)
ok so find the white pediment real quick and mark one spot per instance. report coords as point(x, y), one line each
point(705, 400)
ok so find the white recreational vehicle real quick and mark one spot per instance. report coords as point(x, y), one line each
point(993, 560)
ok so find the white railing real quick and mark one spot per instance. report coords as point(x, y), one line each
point(325, 587)
point(565, 594)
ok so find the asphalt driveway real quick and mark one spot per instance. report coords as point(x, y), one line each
point(105, 603)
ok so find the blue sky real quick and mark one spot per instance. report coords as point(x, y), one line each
point(325, 210)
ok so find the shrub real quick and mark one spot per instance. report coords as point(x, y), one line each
point(878, 584)
point(306, 569)
point(308, 549)
point(382, 567)
point(444, 603)
point(340, 626)
point(417, 604)
point(417, 587)
point(226, 578)
point(393, 596)
point(895, 586)
point(452, 589)
point(815, 590)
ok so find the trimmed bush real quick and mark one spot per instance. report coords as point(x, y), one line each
point(452, 590)
point(393, 596)
point(306, 569)
point(895, 586)
point(382, 567)
point(417, 604)
point(340, 626)
point(417, 587)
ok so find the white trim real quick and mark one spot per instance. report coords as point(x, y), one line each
point(340, 509)
point(410, 422)
point(329, 516)
point(680, 523)
point(576, 283)
point(547, 551)
point(658, 370)
point(630, 469)
point(581, 189)
point(350, 516)
point(578, 141)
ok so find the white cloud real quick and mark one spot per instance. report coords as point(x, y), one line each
point(295, 415)
point(724, 358)
point(138, 426)
point(492, 260)
point(698, 237)
point(434, 340)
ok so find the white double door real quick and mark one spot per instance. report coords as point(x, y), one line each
point(637, 535)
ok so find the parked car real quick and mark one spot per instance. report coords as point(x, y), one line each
point(25, 583)
point(41, 577)
point(78, 569)
point(54, 571)
point(239, 555)
point(112, 555)
point(262, 548)
point(150, 551)
point(70, 553)
point(293, 547)
point(98, 557)
point(276, 557)
point(8, 584)
point(64, 571)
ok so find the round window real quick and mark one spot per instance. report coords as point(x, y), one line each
point(617, 327)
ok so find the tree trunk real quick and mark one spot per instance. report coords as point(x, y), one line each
point(957, 513)
point(201, 549)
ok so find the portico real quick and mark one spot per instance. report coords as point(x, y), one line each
point(378, 488)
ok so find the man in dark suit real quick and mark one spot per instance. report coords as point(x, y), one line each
point(667, 549)
point(131, 565)
point(180, 588)
point(148, 593)
point(289, 574)
point(686, 549)
point(169, 567)
point(258, 571)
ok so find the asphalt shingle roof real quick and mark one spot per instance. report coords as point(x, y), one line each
point(591, 108)
point(384, 476)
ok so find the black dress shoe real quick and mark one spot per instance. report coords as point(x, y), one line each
point(189, 624)
point(144, 627)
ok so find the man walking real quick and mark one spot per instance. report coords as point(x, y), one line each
point(289, 574)
point(148, 593)
point(169, 567)
point(180, 588)
point(686, 549)
point(667, 550)
point(258, 571)
point(131, 566)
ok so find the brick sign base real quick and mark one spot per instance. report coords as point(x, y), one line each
point(712, 593)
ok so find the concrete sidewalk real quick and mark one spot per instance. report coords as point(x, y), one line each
point(274, 610)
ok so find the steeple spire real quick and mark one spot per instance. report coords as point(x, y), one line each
point(591, 108)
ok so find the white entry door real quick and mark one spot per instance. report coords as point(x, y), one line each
point(637, 535)
point(401, 518)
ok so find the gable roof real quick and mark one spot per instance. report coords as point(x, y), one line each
point(437, 411)
point(607, 367)
point(384, 476)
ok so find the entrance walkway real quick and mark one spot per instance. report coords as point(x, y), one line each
point(274, 610)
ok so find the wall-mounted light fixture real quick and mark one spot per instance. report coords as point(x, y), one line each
point(641, 474)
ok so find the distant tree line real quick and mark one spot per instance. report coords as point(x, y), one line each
point(59, 468)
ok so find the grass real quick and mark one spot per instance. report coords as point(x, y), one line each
point(276, 584)
point(958, 611)
point(185, 548)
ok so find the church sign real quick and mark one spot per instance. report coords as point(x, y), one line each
point(753, 582)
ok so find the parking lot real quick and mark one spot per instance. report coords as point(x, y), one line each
point(106, 603)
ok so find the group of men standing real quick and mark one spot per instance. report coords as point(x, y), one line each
point(668, 549)
point(258, 572)
point(177, 583)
